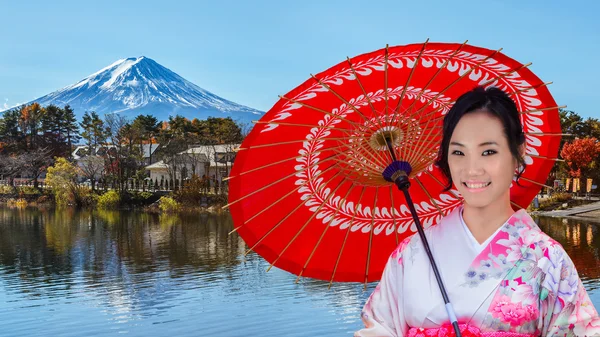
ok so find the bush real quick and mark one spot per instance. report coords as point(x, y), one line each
point(560, 197)
point(5, 189)
point(191, 193)
point(168, 204)
point(108, 200)
point(21, 203)
point(28, 190)
point(84, 196)
point(42, 199)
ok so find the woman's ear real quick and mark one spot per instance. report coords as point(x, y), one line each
point(521, 154)
point(522, 150)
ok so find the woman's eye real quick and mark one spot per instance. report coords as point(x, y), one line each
point(457, 153)
point(488, 152)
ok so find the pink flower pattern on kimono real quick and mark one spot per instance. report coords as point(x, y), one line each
point(514, 314)
point(585, 313)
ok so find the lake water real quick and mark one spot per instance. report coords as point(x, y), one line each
point(108, 273)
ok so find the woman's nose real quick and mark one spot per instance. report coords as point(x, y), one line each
point(475, 166)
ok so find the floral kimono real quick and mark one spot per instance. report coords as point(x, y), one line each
point(519, 282)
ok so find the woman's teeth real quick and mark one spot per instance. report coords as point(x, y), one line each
point(481, 185)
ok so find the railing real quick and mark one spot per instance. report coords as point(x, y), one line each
point(131, 185)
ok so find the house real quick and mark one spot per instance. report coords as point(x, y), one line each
point(93, 164)
point(82, 151)
point(212, 161)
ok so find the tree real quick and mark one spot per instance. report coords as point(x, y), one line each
point(94, 131)
point(579, 154)
point(11, 165)
point(10, 133)
point(91, 168)
point(62, 177)
point(35, 163)
point(69, 126)
point(148, 127)
point(31, 123)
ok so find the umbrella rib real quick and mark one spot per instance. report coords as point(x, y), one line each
point(547, 134)
point(295, 141)
point(358, 163)
point(379, 155)
point(543, 109)
point(476, 66)
point(529, 88)
point(392, 212)
point(439, 182)
point(506, 74)
point(361, 86)
point(285, 218)
point(371, 237)
point(282, 198)
point(280, 180)
point(515, 204)
point(346, 237)
point(337, 210)
point(430, 146)
point(381, 161)
point(542, 157)
point(339, 97)
point(391, 149)
point(536, 183)
point(269, 165)
point(297, 124)
point(436, 74)
point(314, 214)
point(429, 196)
point(415, 65)
point(321, 111)
point(423, 141)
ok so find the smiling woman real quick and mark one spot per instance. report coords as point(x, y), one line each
point(505, 276)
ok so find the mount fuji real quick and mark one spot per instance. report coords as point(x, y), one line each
point(139, 85)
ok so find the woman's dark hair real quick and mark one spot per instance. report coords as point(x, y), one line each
point(497, 103)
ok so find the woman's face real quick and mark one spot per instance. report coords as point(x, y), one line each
point(481, 164)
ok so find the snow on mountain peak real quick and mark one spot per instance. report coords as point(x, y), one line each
point(140, 85)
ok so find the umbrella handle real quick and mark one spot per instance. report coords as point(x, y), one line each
point(403, 184)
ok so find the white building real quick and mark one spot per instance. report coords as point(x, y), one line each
point(214, 161)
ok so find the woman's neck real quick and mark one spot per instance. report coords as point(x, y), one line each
point(484, 221)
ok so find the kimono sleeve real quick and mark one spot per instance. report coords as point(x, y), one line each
point(566, 309)
point(381, 315)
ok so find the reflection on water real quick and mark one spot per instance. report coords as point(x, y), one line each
point(76, 273)
point(83, 273)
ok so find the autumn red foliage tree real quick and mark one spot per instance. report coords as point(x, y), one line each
point(581, 155)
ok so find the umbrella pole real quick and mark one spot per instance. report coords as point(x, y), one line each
point(398, 172)
point(403, 186)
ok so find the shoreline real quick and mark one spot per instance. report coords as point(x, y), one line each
point(588, 212)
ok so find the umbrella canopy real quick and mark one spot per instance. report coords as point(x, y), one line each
point(306, 190)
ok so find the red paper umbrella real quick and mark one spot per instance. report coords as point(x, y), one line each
point(307, 190)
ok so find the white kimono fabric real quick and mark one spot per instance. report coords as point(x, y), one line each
point(518, 283)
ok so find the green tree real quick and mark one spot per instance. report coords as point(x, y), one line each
point(148, 127)
point(69, 127)
point(94, 132)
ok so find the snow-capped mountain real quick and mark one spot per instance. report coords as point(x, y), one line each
point(141, 86)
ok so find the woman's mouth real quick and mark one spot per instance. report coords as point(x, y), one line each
point(476, 187)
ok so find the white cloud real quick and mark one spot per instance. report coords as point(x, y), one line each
point(5, 105)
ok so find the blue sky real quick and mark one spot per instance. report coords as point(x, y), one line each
point(251, 51)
